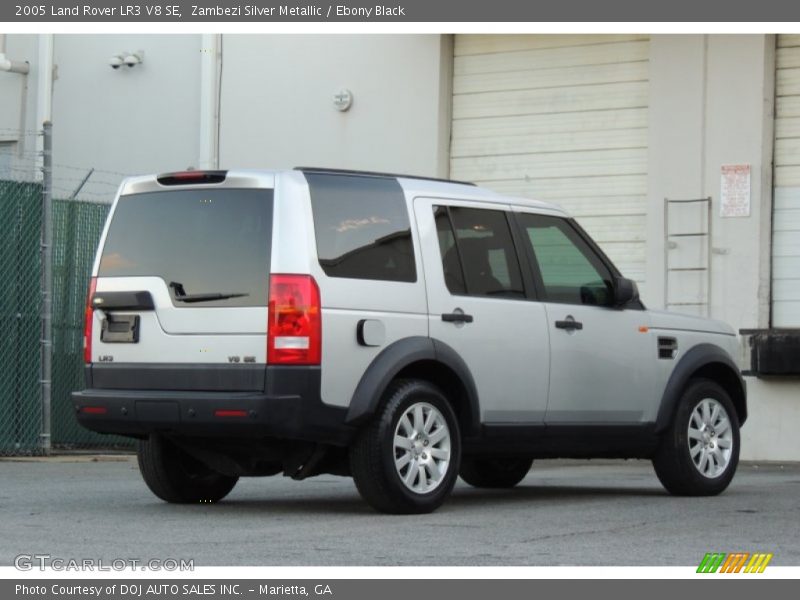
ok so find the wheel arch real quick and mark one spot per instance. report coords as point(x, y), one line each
point(418, 358)
point(705, 361)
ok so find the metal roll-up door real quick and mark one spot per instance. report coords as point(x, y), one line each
point(786, 216)
point(559, 118)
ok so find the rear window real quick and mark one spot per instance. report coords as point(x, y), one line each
point(204, 242)
point(362, 227)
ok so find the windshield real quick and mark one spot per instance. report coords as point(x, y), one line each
point(213, 244)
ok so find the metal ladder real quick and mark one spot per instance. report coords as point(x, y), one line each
point(673, 241)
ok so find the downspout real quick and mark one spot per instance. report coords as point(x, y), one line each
point(44, 81)
point(210, 71)
point(8, 65)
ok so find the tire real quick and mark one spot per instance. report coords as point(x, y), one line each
point(176, 477)
point(383, 465)
point(494, 472)
point(705, 425)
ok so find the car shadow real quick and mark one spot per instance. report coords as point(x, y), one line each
point(462, 497)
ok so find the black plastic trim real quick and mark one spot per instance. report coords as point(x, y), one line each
point(566, 440)
point(392, 359)
point(140, 300)
point(288, 407)
point(697, 357)
point(179, 377)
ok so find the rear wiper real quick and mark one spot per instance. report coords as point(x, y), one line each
point(182, 296)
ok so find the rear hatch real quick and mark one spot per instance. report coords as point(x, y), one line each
point(183, 276)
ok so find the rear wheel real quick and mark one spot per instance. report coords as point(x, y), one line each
point(700, 451)
point(406, 460)
point(175, 476)
point(494, 472)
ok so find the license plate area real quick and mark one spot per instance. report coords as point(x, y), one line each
point(120, 329)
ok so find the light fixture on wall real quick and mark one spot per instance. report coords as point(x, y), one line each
point(128, 59)
point(343, 99)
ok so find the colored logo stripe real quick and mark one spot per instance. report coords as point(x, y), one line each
point(734, 563)
point(758, 563)
point(711, 562)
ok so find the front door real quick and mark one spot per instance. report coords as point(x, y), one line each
point(479, 306)
point(602, 358)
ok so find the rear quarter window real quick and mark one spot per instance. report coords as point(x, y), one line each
point(362, 227)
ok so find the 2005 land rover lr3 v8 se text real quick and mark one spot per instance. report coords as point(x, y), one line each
point(400, 330)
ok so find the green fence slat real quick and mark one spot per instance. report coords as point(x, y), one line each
point(76, 230)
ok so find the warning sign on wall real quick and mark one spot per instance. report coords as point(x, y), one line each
point(735, 191)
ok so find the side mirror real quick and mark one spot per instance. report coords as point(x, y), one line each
point(625, 291)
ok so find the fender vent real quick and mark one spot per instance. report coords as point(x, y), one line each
point(667, 347)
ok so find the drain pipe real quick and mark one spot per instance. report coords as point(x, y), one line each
point(210, 81)
point(8, 65)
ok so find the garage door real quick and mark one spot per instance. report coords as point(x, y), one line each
point(559, 118)
point(786, 216)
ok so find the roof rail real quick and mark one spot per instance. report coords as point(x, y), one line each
point(376, 174)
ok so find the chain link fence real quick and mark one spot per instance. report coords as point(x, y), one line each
point(77, 222)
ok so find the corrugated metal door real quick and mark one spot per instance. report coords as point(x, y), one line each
point(786, 217)
point(560, 118)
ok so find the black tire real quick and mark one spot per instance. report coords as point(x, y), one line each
point(372, 454)
point(176, 477)
point(673, 461)
point(494, 472)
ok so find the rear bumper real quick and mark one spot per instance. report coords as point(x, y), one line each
point(288, 407)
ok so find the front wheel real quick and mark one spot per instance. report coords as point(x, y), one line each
point(406, 460)
point(175, 476)
point(700, 451)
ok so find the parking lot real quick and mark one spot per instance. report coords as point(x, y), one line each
point(563, 513)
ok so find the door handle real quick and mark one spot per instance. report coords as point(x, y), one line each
point(570, 324)
point(457, 317)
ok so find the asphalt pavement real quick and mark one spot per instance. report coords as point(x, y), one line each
point(563, 513)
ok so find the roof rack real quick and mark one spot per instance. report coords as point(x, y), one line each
point(376, 174)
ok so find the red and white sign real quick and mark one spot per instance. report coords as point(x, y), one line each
point(735, 191)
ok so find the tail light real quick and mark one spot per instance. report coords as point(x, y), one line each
point(294, 324)
point(88, 317)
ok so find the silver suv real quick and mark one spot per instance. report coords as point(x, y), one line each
point(400, 330)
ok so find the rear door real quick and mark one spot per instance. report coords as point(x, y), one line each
point(183, 275)
point(479, 305)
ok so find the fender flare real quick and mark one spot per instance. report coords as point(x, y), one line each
point(393, 359)
point(697, 357)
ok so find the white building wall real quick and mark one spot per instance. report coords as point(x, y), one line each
point(17, 109)
point(711, 104)
point(129, 120)
point(277, 105)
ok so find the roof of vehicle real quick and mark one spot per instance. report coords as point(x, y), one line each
point(465, 190)
point(411, 184)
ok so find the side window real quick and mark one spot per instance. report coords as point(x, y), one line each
point(478, 254)
point(362, 227)
point(571, 272)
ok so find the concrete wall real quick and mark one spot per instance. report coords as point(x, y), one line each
point(17, 108)
point(133, 120)
point(277, 102)
point(711, 104)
